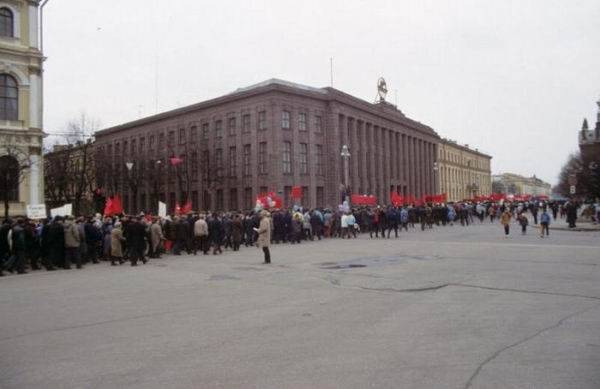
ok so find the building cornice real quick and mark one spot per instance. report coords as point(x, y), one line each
point(446, 142)
point(323, 94)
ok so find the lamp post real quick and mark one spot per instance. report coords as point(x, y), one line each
point(346, 156)
point(129, 166)
point(435, 177)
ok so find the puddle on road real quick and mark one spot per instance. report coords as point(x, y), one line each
point(362, 262)
point(348, 266)
point(222, 277)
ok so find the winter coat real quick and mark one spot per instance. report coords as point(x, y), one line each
point(73, 236)
point(215, 230)
point(136, 240)
point(264, 232)
point(200, 228)
point(237, 230)
point(156, 235)
point(505, 218)
point(116, 242)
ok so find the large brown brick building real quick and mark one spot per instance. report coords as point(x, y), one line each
point(267, 137)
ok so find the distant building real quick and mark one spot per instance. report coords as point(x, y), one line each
point(516, 184)
point(70, 177)
point(589, 141)
point(20, 105)
point(267, 137)
point(463, 173)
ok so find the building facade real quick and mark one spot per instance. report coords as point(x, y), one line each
point(272, 136)
point(510, 183)
point(589, 141)
point(21, 125)
point(463, 172)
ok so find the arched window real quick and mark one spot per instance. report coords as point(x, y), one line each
point(9, 98)
point(6, 22)
point(9, 177)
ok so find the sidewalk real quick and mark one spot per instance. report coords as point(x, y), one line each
point(561, 225)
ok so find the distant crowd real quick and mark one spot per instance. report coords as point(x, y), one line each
point(63, 242)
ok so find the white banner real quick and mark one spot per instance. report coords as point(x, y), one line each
point(37, 211)
point(65, 210)
point(162, 209)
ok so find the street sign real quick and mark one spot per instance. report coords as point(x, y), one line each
point(37, 211)
point(572, 189)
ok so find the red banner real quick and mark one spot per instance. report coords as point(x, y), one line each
point(357, 199)
point(438, 198)
point(176, 161)
point(297, 192)
point(497, 196)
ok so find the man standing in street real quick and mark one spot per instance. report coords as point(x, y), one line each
point(201, 236)
point(505, 220)
point(73, 238)
point(544, 224)
point(136, 241)
point(264, 235)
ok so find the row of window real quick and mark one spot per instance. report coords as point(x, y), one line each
point(204, 131)
point(460, 159)
point(216, 166)
point(286, 120)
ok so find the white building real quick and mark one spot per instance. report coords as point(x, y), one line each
point(21, 99)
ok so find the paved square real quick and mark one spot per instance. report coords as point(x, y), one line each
point(451, 307)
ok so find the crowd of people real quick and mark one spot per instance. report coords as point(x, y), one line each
point(63, 242)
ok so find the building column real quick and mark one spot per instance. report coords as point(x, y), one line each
point(371, 162)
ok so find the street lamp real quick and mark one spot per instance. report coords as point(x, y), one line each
point(435, 177)
point(346, 156)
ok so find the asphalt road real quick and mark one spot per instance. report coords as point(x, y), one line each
point(451, 307)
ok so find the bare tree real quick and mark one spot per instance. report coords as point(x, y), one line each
point(14, 164)
point(585, 174)
point(70, 173)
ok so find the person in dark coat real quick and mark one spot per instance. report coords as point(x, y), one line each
point(18, 247)
point(237, 231)
point(93, 238)
point(571, 210)
point(216, 233)
point(136, 241)
point(4, 247)
point(248, 230)
point(181, 235)
point(32, 244)
point(56, 242)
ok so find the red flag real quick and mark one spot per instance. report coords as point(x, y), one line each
point(396, 199)
point(176, 161)
point(297, 192)
point(187, 208)
point(108, 207)
point(113, 206)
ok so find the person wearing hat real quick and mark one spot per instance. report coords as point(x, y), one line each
point(264, 235)
point(116, 244)
point(73, 238)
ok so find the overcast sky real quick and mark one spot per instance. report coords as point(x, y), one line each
point(512, 78)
